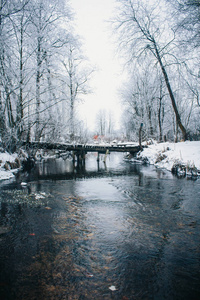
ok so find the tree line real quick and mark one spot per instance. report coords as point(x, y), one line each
point(42, 71)
point(161, 40)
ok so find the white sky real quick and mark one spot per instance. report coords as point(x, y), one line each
point(91, 16)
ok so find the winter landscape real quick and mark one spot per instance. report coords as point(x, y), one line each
point(162, 155)
point(99, 149)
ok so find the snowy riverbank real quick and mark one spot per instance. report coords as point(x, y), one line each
point(162, 155)
point(9, 164)
point(167, 155)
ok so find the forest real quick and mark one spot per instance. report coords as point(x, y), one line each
point(161, 40)
point(43, 71)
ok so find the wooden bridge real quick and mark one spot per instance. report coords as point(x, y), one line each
point(80, 150)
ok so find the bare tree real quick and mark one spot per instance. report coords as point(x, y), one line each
point(34, 37)
point(141, 31)
point(110, 125)
point(8, 123)
point(101, 122)
point(143, 96)
point(49, 38)
point(187, 19)
point(186, 15)
point(77, 75)
point(20, 25)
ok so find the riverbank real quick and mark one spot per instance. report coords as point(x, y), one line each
point(9, 165)
point(182, 158)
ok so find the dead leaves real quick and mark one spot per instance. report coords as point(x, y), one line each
point(90, 235)
point(72, 198)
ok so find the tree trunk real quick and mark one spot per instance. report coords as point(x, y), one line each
point(9, 108)
point(20, 113)
point(161, 113)
point(150, 122)
point(2, 121)
point(71, 107)
point(159, 119)
point(38, 75)
point(178, 119)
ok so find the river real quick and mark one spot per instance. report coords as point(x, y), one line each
point(116, 231)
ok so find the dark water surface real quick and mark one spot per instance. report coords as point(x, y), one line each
point(122, 232)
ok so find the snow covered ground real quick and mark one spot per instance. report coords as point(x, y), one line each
point(162, 155)
point(165, 155)
point(4, 157)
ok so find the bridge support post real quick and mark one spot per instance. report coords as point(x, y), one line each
point(80, 158)
point(107, 152)
point(83, 157)
point(98, 156)
point(77, 159)
point(73, 158)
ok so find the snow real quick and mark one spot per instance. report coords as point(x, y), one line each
point(185, 153)
point(112, 288)
point(4, 157)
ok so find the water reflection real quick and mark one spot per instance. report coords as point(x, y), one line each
point(59, 169)
point(129, 233)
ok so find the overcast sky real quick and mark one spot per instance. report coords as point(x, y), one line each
point(90, 19)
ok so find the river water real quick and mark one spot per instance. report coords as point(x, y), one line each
point(116, 231)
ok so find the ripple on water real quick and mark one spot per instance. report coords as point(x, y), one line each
point(134, 233)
